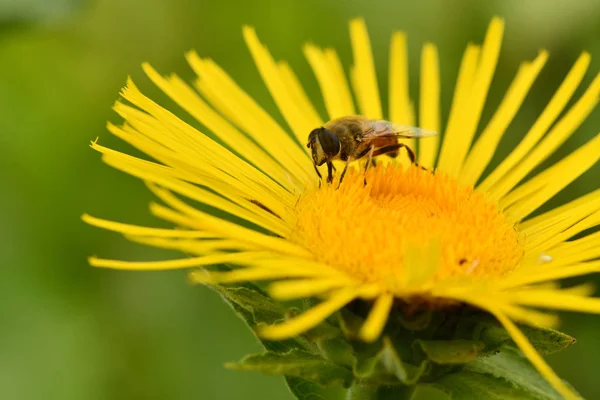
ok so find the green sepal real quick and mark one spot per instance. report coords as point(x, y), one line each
point(380, 363)
point(450, 351)
point(297, 363)
point(545, 340)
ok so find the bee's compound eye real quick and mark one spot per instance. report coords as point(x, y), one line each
point(312, 138)
point(329, 142)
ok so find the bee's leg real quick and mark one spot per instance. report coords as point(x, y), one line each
point(344, 171)
point(395, 147)
point(330, 169)
point(368, 163)
point(318, 173)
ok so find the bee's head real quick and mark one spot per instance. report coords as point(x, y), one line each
point(324, 145)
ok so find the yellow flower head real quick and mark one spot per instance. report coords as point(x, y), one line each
point(436, 232)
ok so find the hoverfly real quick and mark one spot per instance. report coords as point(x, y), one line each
point(353, 137)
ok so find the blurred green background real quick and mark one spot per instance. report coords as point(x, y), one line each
point(70, 331)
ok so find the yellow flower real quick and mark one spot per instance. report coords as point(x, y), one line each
point(440, 236)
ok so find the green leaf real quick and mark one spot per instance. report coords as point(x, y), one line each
point(306, 390)
point(506, 375)
point(254, 307)
point(467, 385)
point(297, 363)
point(509, 364)
point(257, 307)
point(450, 351)
point(546, 341)
point(382, 365)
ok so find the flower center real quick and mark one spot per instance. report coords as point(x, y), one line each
point(406, 226)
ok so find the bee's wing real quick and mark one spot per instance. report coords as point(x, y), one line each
point(383, 128)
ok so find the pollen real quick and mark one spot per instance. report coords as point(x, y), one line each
point(407, 227)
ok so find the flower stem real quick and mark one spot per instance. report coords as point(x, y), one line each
point(373, 392)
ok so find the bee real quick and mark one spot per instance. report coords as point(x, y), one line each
point(353, 137)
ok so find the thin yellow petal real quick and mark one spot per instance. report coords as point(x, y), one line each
point(364, 78)
point(571, 252)
point(589, 242)
point(250, 212)
point(571, 228)
point(531, 353)
point(195, 247)
point(310, 268)
point(531, 317)
point(175, 217)
point(401, 109)
point(165, 128)
point(300, 122)
point(377, 318)
point(240, 108)
point(541, 274)
point(532, 194)
point(234, 231)
point(465, 130)
point(174, 264)
point(587, 203)
point(485, 147)
point(332, 81)
point(585, 290)
point(310, 318)
point(175, 143)
point(191, 102)
point(558, 135)
point(137, 230)
point(243, 275)
point(555, 299)
point(295, 289)
point(429, 104)
point(460, 106)
point(196, 193)
point(542, 124)
point(291, 82)
point(560, 230)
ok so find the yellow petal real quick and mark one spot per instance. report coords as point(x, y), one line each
point(332, 81)
point(484, 148)
point(296, 117)
point(310, 318)
point(228, 98)
point(364, 78)
point(460, 106)
point(137, 230)
point(561, 132)
point(401, 108)
point(531, 353)
point(190, 101)
point(532, 194)
point(377, 318)
point(465, 130)
point(541, 125)
point(174, 264)
point(295, 289)
point(429, 106)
